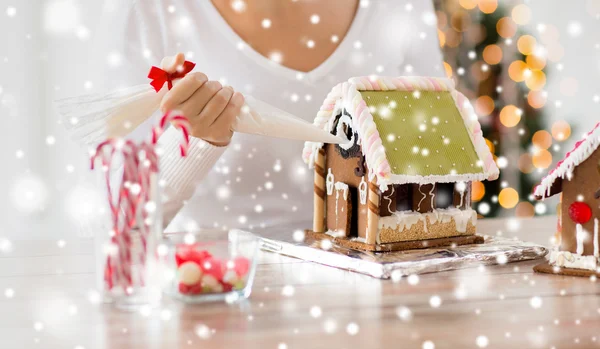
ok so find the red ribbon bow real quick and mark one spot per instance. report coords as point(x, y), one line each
point(159, 76)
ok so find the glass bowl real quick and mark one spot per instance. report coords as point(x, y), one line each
point(210, 265)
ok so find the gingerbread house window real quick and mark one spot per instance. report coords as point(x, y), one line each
point(444, 196)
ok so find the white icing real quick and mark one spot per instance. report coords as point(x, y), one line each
point(343, 187)
point(335, 233)
point(461, 187)
point(329, 182)
point(389, 198)
point(423, 198)
point(565, 170)
point(596, 252)
point(362, 189)
point(431, 192)
point(345, 120)
point(571, 260)
point(580, 235)
point(404, 220)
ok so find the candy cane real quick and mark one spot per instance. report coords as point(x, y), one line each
point(179, 121)
point(140, 162)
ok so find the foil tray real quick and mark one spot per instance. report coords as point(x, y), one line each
point(495, 250)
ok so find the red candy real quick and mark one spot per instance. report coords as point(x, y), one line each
point(580, 212)
point(213, 267)
point(189, 253)
point(242, 265)
point(184, 289)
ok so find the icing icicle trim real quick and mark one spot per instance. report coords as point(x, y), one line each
point(389, 199)
point(564, 168)
point(343, 187)
point(432, 194)
point(581, 234)
point(404, 220)
point(422, 199)
point(596, 242)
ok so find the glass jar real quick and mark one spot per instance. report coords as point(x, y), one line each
point(211, 265)
point(127, 264)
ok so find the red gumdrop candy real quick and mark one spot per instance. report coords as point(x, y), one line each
point(580, 212)
point(214, 267)
point(196, 289)
point(226, 287)
point(242, 265)
point(184, 289)
point(189, 253)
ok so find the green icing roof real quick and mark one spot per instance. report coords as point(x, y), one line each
point(423, 133)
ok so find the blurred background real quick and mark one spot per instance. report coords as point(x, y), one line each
point(530, 69)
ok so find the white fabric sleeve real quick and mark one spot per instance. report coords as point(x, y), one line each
point(179, 175)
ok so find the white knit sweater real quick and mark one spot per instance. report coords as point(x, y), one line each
point(257, 182)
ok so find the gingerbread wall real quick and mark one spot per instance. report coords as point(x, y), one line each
point(585, 182)
point(344, 171)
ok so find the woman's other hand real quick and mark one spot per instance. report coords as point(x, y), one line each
point(210, 107)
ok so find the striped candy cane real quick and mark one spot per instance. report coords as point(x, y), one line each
point(178, 120)
point(140, 163)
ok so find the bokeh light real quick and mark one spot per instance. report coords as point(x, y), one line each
point(521, 14)
point(535, 80)
point(441, 38)
point(506, 27)
point(448, 69)
point(526, 44)
point(525, 163)
point(468, 4)
point(490, 145)
point(510, 115)
point(542, 139)
point(488, 6)
point(484, 105)
point(561, 130)
point(516, 71)
point(460, 21)
point(542, 159)
point(477, 191)
point(508, 198)
point(524, 210)
point(492, 54)
point(537, 99)
point(535, 62)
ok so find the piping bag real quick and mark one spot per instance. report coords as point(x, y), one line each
point(92, 119)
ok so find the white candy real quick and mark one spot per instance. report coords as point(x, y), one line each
point(189, 273)
point(230, 277)
point(211, 283)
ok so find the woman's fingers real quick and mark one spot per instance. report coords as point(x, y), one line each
point(194, 105)
point(171, 63)
point(182, 91)
point(221, 129)
point(215, 106)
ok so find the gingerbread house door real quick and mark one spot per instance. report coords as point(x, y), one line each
point(343, 219)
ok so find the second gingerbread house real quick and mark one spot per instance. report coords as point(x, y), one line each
point(577, 177)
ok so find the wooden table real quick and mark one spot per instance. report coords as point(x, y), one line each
point(46, 301)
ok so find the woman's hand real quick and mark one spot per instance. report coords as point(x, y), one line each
point(210, 107)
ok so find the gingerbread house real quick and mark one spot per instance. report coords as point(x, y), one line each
point(577, 177)
point(403, 179)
